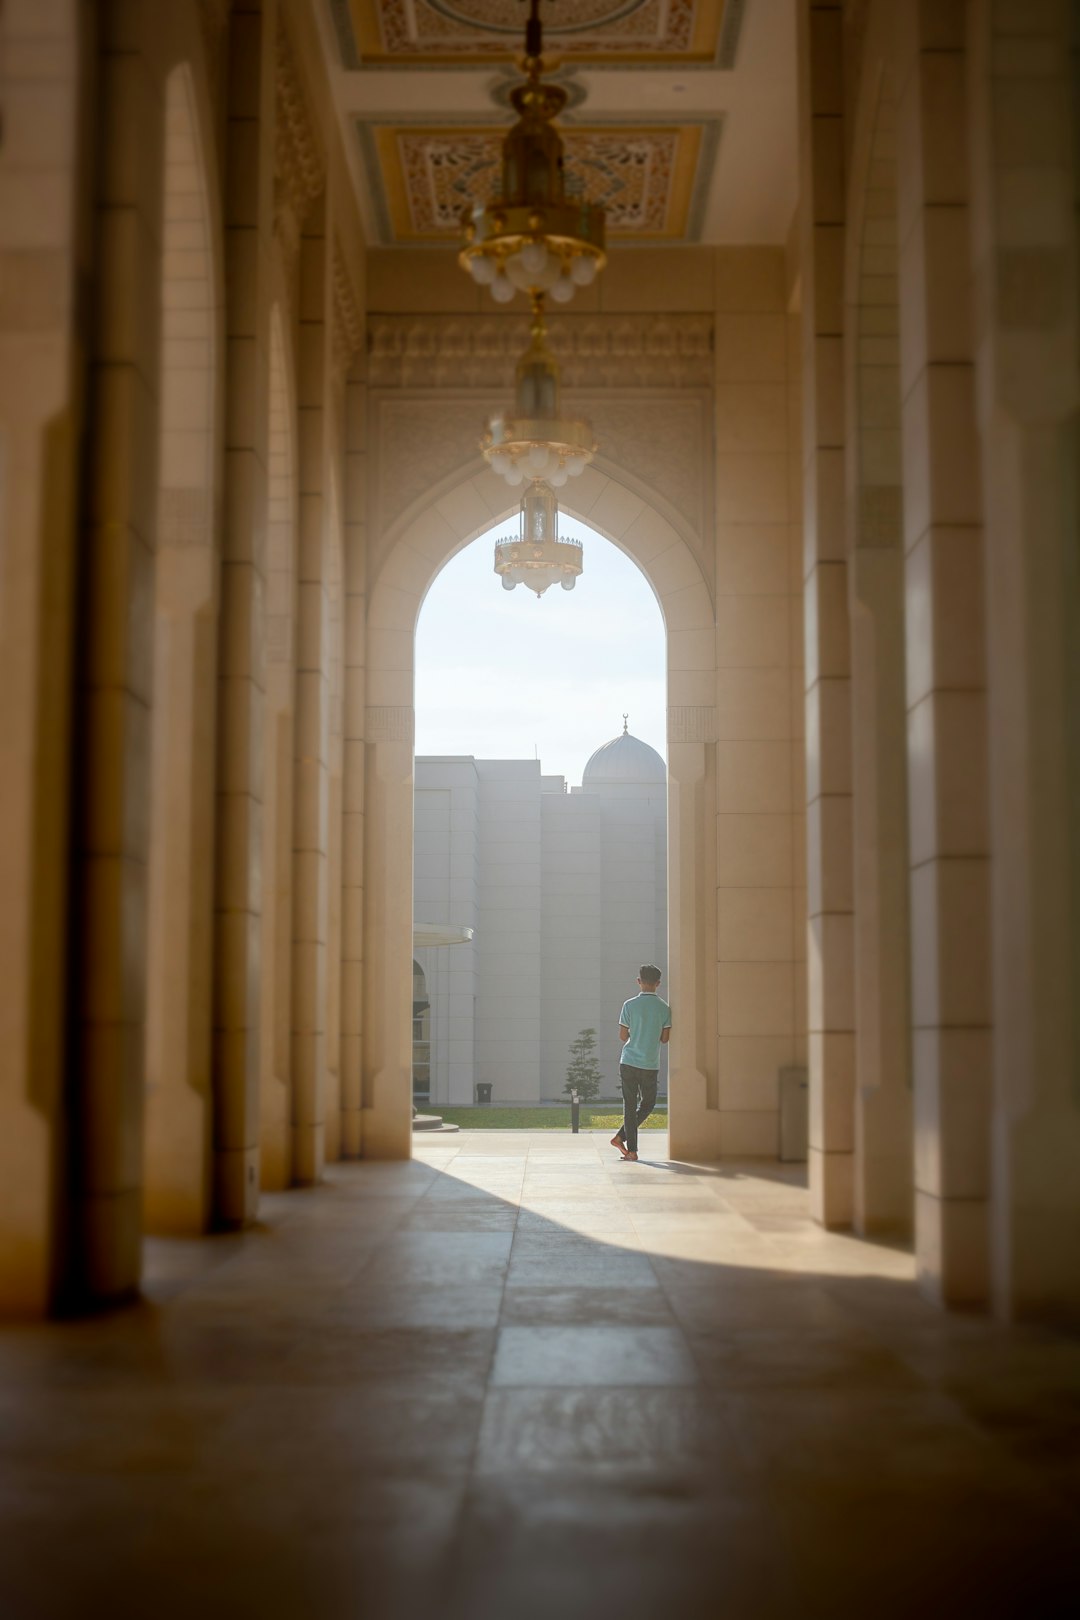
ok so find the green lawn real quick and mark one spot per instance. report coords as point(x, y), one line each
point(598, 1116)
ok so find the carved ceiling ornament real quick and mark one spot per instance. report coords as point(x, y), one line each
point(299, 159)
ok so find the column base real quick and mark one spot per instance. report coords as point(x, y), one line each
point(108, 1249)
point(386, 1135)
point(832, 1185)
point(236, 1186)
point(309, 1154)
point(352, 1133)
point(952, 1250)
point(275, 1159)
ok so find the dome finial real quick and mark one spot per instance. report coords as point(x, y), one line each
point(625, 725)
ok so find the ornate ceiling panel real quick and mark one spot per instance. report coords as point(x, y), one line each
point(443, 32)
point(645, 177)
point(422, 90)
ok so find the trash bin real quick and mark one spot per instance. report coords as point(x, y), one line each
point(483, 1093)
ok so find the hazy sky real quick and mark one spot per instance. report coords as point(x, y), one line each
point(498, 672)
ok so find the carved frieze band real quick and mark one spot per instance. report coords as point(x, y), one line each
point(692, 723)
point(389, 723)
point(299, 160)
point(348, 322)
point(594, 351)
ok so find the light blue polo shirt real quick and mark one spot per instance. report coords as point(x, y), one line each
point(646, 1016)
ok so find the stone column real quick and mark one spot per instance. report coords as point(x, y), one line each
point(334, 803)
point(760, 924)
point(112, 782)
point(279, 750)
point(342, 332)
point(1023, 66)
point(387, 942)
point(41, 359)
point(177, 1196)
point(946, 676)
point(883, 1098)
point(694, 1119)
point(312, 717)
point(241, 696)
point(352, 897)
point(830, 894)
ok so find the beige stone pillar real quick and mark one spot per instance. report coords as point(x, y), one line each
point(177, 1192)
point(352, 895)
point(279, 749)
point(238, 967)
point(116, 596)
point(760, 924)
point(1022, 77)
point(949, 838)
point(883, 1096)
point(312, 716)
point(692, 1088)
point(41, 359)
point(387, 941)
point(334, 795)
point(830, 902)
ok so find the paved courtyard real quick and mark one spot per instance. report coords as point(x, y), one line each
point(519, 1378)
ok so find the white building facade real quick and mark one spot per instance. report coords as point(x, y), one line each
point(565, 889)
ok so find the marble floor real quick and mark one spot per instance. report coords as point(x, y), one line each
point(518, 1378)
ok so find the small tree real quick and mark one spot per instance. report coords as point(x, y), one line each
point(583, 1075)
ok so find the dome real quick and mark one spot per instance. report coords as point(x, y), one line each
point(624, 759)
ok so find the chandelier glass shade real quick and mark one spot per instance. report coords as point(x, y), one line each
point(538, 557)
point(532, 237)
point(535, 440)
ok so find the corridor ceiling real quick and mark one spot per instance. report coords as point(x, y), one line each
point(681, 118)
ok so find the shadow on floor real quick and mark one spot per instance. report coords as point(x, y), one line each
point(521, 1379)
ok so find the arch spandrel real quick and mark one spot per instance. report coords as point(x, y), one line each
point(655, 450)
point(471, 503)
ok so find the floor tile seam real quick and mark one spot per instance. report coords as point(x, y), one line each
point(472, 1468)
point(666, 1294)
point(697, 1384)
point(651, 1241)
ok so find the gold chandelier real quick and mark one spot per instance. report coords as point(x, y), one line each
point(540, 556)
point(536, 441)
point(532, 238)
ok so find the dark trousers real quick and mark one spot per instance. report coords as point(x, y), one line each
point(639, 1100)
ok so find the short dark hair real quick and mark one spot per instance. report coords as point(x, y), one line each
point(649, 974)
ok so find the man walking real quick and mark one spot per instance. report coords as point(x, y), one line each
point(644, 1027)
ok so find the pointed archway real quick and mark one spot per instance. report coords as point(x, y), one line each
point(414, 552)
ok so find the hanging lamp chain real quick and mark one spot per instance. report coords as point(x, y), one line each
point(534, 39)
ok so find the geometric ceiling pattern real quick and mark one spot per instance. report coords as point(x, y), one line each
point(644, 177)
point(679, 117)
point(411, 32)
